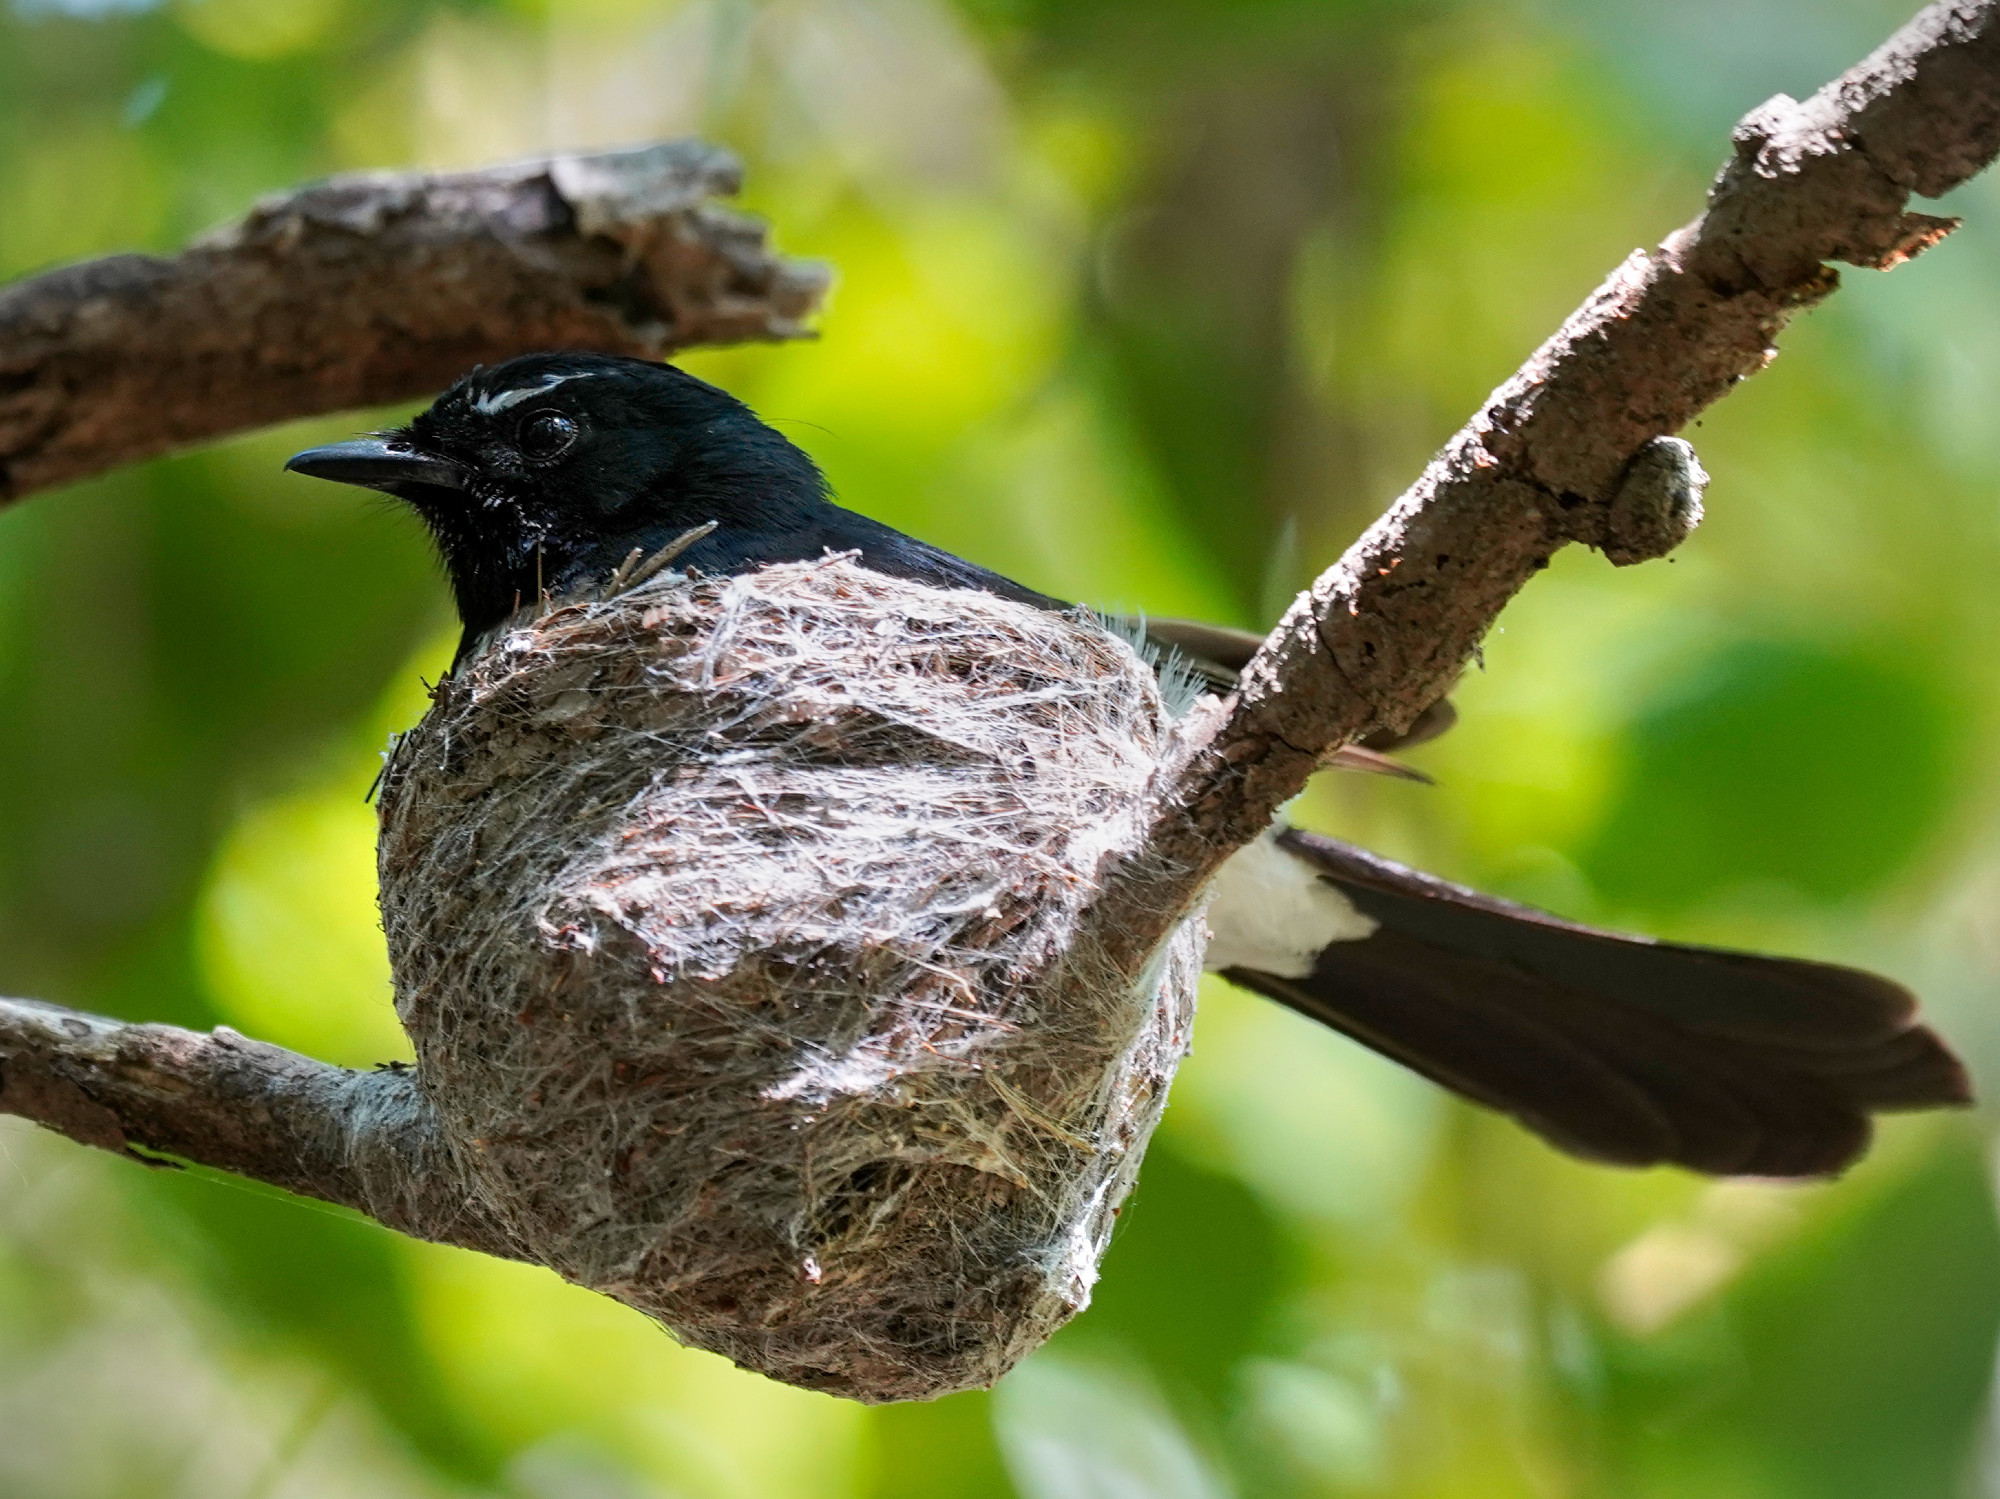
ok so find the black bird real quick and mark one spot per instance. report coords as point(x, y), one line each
point(550, 471)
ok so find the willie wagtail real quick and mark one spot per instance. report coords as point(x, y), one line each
point(547, 473)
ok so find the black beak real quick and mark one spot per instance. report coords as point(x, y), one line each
point(377, 463)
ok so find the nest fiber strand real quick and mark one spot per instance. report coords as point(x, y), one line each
point(735, 921)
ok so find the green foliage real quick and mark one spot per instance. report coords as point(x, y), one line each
point(1153, 306)
point(1838, 769)
point(1850, 1362)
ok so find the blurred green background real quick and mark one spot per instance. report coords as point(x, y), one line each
point(1152, 303)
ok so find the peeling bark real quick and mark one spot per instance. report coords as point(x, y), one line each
point(381, 287)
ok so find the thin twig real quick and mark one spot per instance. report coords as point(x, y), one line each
point(654, 565)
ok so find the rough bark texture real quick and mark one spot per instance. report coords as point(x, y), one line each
point(365, 1140)
point(1383, 633)
point(380, 287)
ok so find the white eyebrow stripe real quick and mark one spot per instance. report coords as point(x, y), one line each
point(494, 404)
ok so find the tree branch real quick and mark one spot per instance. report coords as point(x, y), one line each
point(1386, 631)
point(364, 1140)
point(380, 287)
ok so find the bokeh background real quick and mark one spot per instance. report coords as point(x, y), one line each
point(1151, 303)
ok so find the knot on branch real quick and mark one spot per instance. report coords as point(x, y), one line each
point(1657, 504)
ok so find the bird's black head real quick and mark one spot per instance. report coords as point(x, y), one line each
point(543, 473)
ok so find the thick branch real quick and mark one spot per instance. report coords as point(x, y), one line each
point(375, 288)
point(365, 1140)
point(1386, 631)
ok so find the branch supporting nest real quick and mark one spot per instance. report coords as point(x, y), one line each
point(1563, 451)
point(381, 287)
point(364, 1140)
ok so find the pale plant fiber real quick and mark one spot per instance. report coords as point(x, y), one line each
point(736, 923)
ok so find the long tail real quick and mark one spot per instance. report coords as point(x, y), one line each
point(1613, 1047)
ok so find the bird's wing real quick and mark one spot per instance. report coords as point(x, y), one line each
point(1616, 1048)
point(1216, 652)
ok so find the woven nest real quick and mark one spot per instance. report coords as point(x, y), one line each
point(736, 924)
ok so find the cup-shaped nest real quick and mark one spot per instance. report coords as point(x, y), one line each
point(741, 928)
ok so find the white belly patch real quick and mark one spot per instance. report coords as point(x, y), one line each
point(1272, 911)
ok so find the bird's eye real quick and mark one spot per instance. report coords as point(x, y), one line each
point(546, 435)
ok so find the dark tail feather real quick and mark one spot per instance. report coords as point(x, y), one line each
point(1618, 1048)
